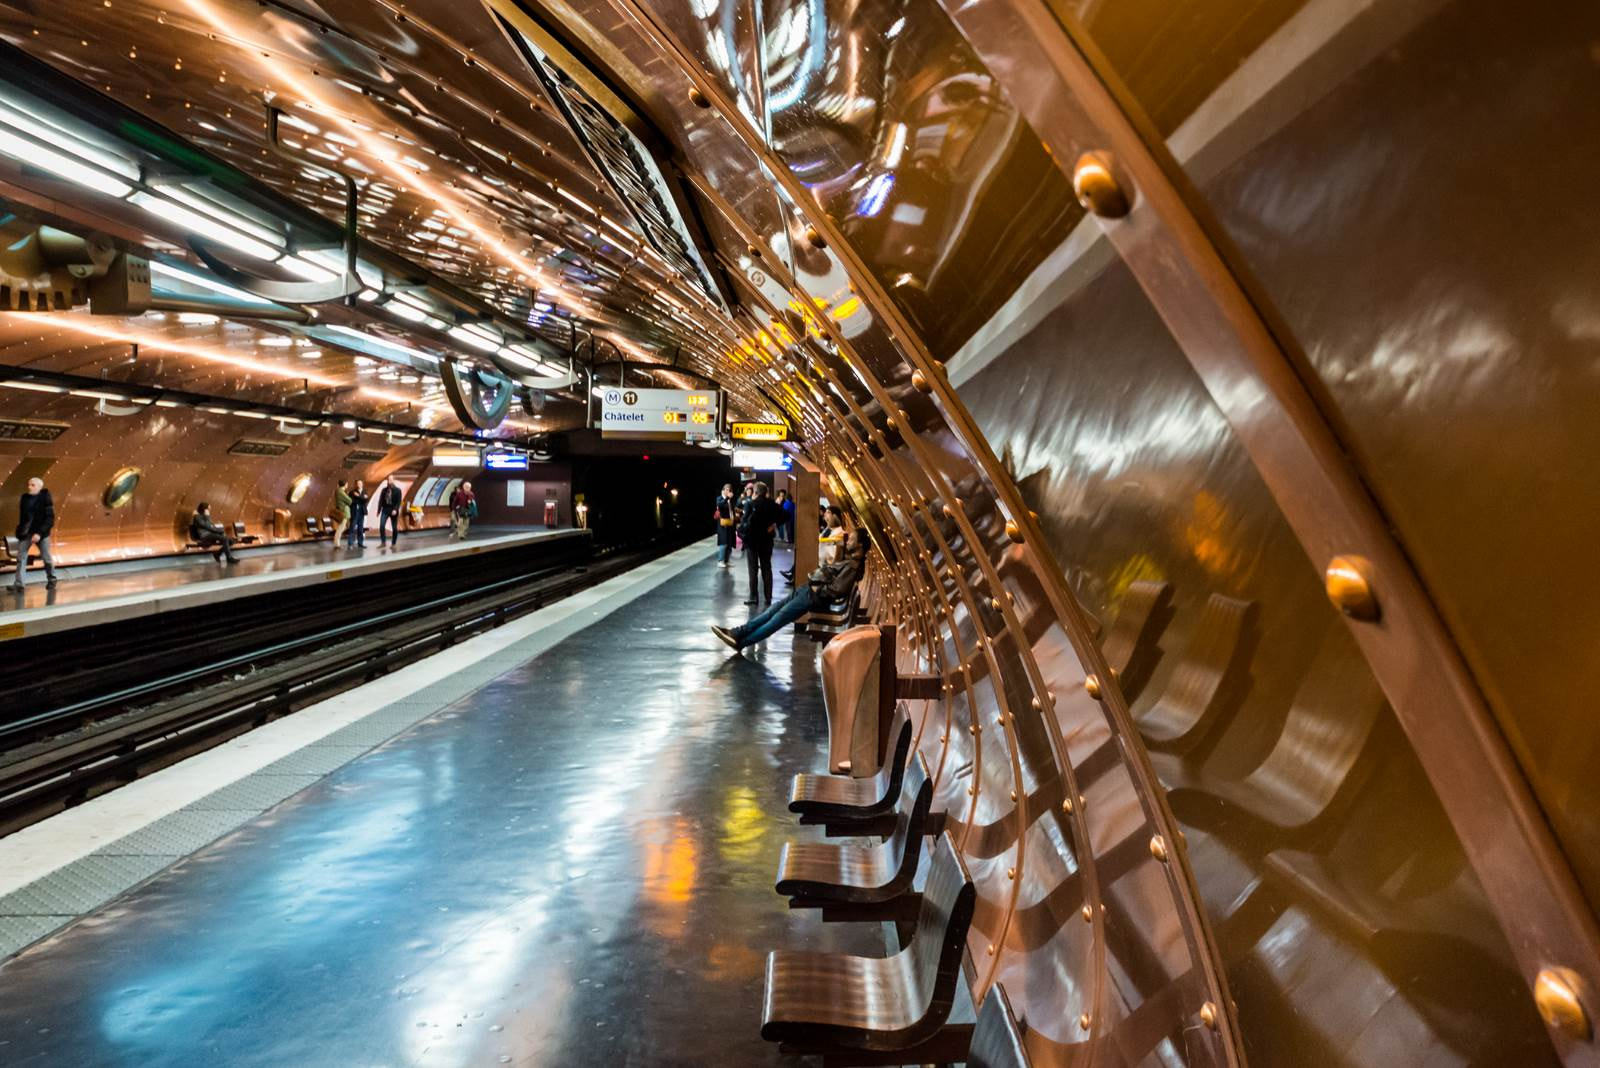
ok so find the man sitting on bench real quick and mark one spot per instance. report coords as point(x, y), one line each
point(827, 585)
point(207, 532)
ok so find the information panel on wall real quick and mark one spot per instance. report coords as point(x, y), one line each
point(687, 414)
point(762, 459)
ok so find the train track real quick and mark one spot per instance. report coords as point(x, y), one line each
point(63, 757)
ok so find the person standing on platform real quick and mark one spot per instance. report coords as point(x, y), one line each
point(727, 514)
point(36, 518)
point(758, 527)
point(827, 585)
point(341, 511)
point(463, 510)
point(356, 536)
point(206, 532)
point(389, 496)
point(786, 528)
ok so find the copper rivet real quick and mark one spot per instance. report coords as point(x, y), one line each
point(1097, 187)
point(814, 236)
point(994, 602)
point(1555, 992)
point(1158, 848)
point(1066, 806)
point(697, 98)
point(1013, 795)
point(1013, 531)
point(1036, 705)
point(1083, 1022)
point(753, 252)
point(991, 949)
point(920, 383)
point(1348, 587)
point(971, 792)
point(1087, 913)
point(1208, 1015)
point(1092, 685)
point(1011, 873)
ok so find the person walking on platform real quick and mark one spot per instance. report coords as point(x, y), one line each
point(341, 511)
point(36, 518)
point(206, 532)
point(757, 527)
point(827, 585)
point(356, 536)
point(727, 513)
point(463, 510)
point(389, 496)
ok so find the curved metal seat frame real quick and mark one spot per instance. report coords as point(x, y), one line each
point(839, 798)
point(843, 1006)
point(1204, 683)
point(817, 873)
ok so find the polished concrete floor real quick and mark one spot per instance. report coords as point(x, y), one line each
point(571, 866)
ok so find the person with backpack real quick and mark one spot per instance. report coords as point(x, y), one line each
point(758, 527)
point(463, 510)
point(389, 511)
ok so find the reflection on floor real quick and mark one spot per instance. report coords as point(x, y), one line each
point(571, 866)
point(94, 582)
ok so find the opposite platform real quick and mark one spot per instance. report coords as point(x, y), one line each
point(198, 582)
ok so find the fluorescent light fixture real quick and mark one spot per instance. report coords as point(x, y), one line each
point(200, 224)
point(456, 458)
point(310, 354)
point(99, 395)
point(275, 342)
point(383, 344)
point(348, 424)
point(200, 281)
point(60, 164)
point(301, 267)
point(36, 387)
point(221, 213)
point(197, 318)
point(467, 335)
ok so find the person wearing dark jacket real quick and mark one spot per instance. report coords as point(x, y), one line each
point(35, 520)
point(827, 585)
point(356, 536)
point(727, 514)
point(389, 497)
point(758, 527)
point(206, 532)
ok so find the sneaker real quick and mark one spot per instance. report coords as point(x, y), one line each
point(50, 584)
point(752, 601)
point(727, 637)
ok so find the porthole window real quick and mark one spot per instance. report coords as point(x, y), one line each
point(119, 491)
point(298, 487)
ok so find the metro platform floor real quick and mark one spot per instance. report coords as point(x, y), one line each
point(571, 865)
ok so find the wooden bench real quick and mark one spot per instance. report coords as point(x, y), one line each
point(820, 874)
point(1206, 681)
point(1317, 756)
point(840, 799)
point(1130, 643)
point(997, 1039)
point(880, 1010)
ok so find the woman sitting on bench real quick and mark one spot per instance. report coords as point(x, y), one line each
point(827, 585)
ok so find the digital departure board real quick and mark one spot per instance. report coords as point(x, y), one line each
point(691, 414)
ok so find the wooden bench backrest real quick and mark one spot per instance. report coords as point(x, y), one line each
point(1142, 605)
point(911, 812)
point(942, 923)
point(1192, 691)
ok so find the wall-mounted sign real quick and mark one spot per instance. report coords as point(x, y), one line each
point(762, 459)
point(456, 458)
point(759, 431)
point(246, 447)
point(505, 461)
point(690, 414)
point(31, 430)
point(356, 457)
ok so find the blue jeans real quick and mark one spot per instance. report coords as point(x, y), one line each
point(775, 618)
point(724, 550)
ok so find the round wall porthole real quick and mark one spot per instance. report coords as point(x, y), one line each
point(119, 491)
point(298, 487)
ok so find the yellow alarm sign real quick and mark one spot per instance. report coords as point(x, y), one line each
point(759, 432)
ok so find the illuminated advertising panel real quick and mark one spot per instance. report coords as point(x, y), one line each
point(761, 459)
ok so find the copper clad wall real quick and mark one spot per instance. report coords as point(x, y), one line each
point(1413, 203)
